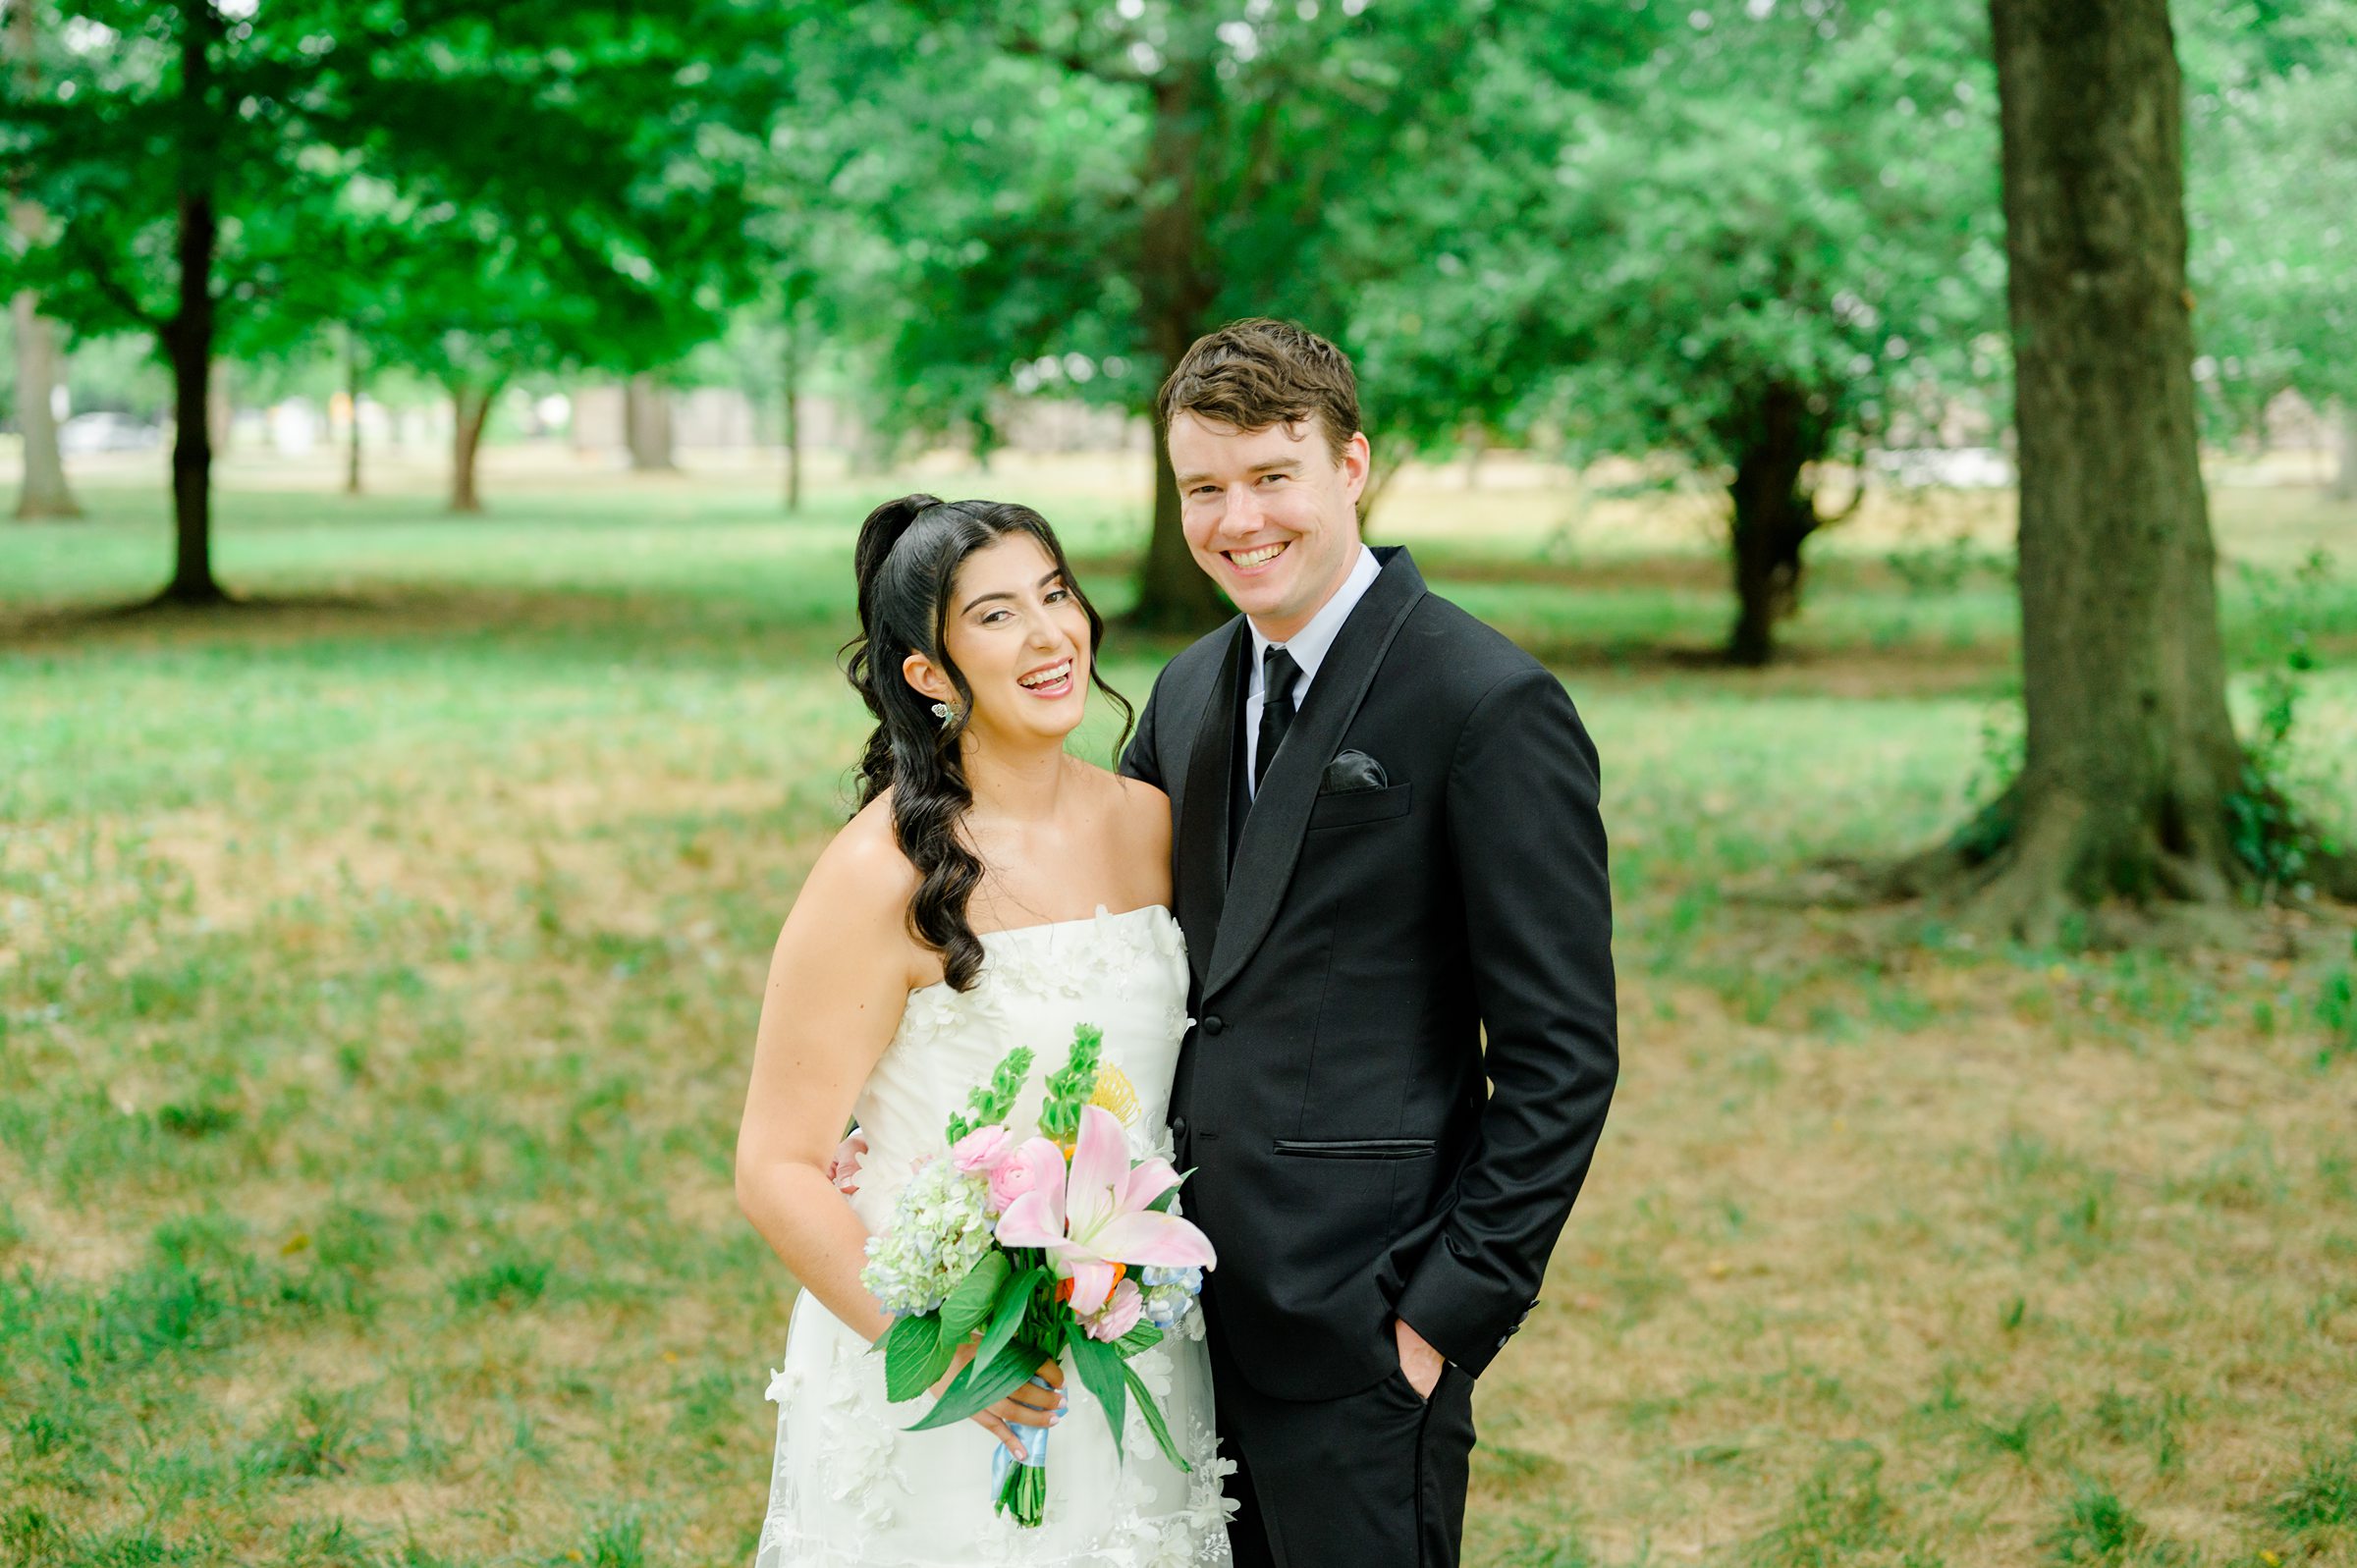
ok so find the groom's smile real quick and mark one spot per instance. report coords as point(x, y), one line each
point(1270, 515)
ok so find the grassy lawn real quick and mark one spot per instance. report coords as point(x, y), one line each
point(378, 967)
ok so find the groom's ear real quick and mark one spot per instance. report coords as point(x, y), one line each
point(922, 672)
point(1356, 463)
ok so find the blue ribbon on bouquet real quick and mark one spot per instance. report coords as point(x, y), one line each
point(1035, 1448)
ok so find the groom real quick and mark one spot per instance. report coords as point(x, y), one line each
point(1391, 871)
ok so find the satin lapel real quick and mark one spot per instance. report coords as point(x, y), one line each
point(1272, 840)
point(1200, 861)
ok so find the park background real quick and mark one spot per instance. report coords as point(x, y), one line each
point(406, 760)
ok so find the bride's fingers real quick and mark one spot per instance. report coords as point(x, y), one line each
point(1036, 1397)
point(1001, 1430)
point(1023, 1415)
point(1053, 1370)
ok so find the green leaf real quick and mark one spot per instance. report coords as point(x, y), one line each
point(971, 1301)
point(971, 1390)
point(1148, 1408)
point(915, 1355)
point(1145, 1336)
point(1101, 1369)
point(1015, 1304)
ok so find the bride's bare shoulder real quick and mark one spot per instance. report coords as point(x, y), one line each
point(1142, 811)
point(862, 878)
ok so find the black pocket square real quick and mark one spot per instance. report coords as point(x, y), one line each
point(1353, 773)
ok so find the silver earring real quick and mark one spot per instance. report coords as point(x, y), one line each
point(945, 713)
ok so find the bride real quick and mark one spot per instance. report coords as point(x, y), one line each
point(992, 892)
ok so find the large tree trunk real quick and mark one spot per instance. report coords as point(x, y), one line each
point(1173, 593)
point(646, 423)
point(470, 410)
point(189, 342)
point(2130, 758)
point(1772, 516)
point(44, 492)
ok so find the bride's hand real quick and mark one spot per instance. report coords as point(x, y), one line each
point(1028, 1406)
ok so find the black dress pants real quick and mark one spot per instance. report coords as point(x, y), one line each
point(1373, 1480)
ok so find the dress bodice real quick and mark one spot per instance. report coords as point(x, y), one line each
point(1125, 973)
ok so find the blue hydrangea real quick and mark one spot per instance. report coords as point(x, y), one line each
point(1169, 1294)
point(938, 1232)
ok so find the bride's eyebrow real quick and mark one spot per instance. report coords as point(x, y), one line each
point(985, 598)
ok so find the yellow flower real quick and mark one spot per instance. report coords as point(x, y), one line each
point(1116, 1093)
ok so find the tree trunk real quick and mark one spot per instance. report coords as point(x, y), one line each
point(471, 411)
point(352, 396)
point(44, 492)
point(647, 423)
point(1177, 293)
point(1772, 516)
point(792, 410)
point(189, 342)
point(2130, 758)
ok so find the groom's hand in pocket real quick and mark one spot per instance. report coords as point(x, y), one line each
point(1418, 1361)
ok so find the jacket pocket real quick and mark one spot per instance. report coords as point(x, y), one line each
point(1353, 807)
point(1356, 1148)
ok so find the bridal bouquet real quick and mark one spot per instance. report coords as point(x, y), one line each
point(1028, 1249)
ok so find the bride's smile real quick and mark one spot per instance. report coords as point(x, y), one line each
point(1020, 640)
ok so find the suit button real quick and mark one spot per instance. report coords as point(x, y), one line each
point(1215, 1025)
point(1179, 1126)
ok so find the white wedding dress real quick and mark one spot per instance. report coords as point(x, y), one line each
point(849, 1487)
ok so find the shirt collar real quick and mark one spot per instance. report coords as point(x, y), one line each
point(1309, 645)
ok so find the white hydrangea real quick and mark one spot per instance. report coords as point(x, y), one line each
point(938, 1232)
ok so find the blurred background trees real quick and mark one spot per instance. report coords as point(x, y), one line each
point(1749, 249)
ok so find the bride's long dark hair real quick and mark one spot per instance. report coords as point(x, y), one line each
point(907, 558)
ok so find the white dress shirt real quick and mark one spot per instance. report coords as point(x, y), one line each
point(1309, 647)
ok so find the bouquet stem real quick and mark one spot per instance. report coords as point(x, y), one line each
point(1024, 1494)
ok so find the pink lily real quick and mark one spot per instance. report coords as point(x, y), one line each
point(1098, 1218)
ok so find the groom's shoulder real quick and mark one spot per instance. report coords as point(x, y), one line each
point(1463, 655)
point(1198, 663)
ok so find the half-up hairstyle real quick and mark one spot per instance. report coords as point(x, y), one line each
point(907, 560)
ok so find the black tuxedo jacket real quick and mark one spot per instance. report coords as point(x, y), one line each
point(1424, 864)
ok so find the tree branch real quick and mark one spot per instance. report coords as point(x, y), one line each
point(102, 276)
point(1016, 41)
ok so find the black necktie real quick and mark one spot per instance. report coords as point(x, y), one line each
point(1278, 673)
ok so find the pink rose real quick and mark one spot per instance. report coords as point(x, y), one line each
point(1035, 1168)
point(1120, 1314)
point(982, 1149)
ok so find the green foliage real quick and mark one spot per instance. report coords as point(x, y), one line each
point(971, 1303)
point(918, 1350)
point(1149, 1408)
point(2336, 1009)
point(2271, 185)
point(994, 1102)
point(1070, 1087)
point(2273, 833)
point(980, 1385)
point(1104, 1374)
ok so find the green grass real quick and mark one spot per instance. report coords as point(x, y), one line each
point(379, 964)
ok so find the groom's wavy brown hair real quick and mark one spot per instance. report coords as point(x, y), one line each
point(1259, 372)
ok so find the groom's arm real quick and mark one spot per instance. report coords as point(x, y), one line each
point(1142, 759)
point(1530, 851)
